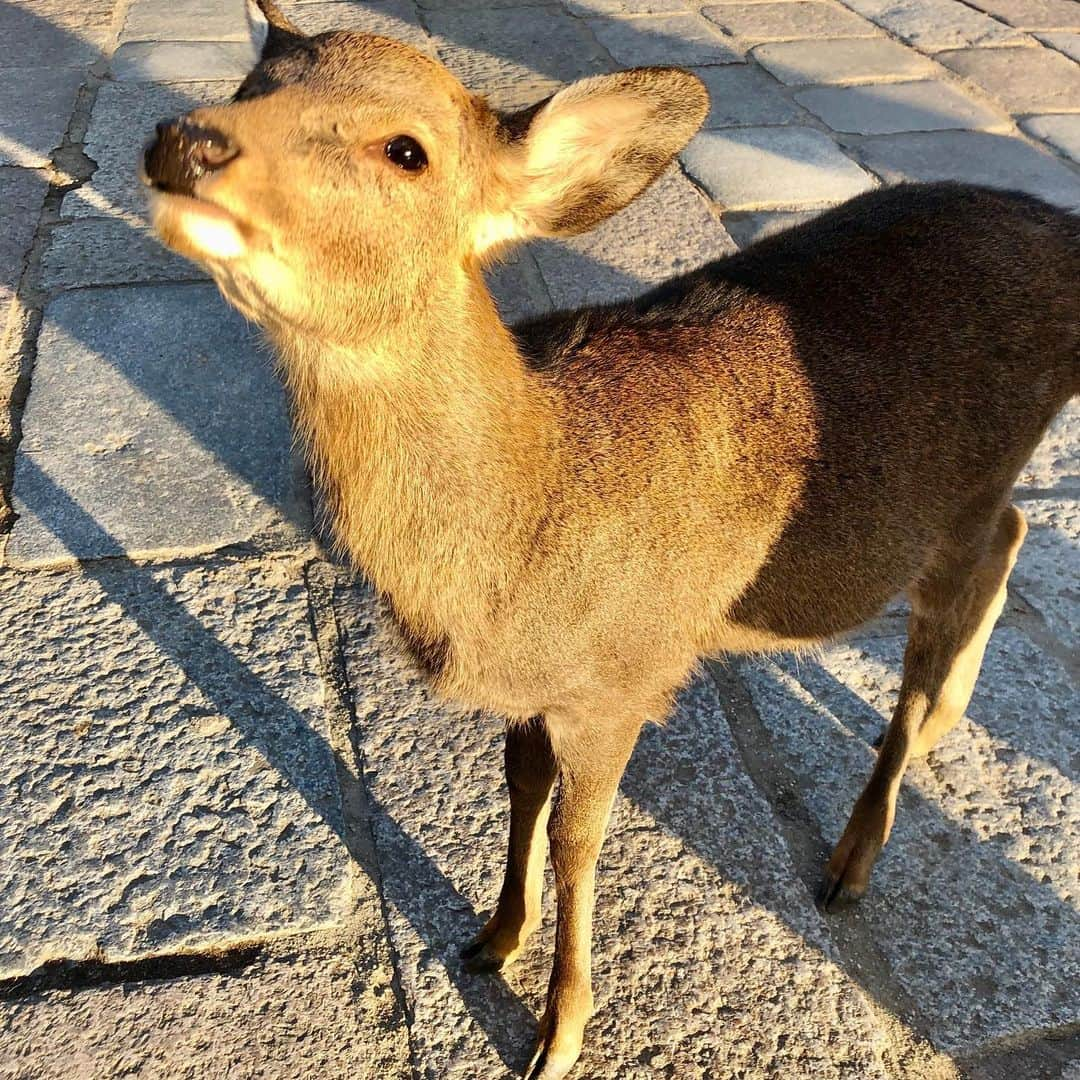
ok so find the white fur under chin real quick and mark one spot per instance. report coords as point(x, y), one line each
point(198, 229)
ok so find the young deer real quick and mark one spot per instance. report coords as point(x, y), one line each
point(565, 517)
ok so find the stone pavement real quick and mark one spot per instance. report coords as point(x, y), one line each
point(237, 838)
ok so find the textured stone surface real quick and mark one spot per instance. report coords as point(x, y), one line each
point(932, 25)
point(843, 60)
point(746, 229)
point(709, 957)
point(182, 61)
point(744, 95)
point(1023, 80)
point(883, 110)
point(627, 7)
point(983, 860)
point(1047, 571)
point(21, 194)
point(47, 36)
point(36, 105)
point(518, 287)
point(754, 23)
point(669, 230)
point(665, 39)
point(1035, 14)
point(1056, 461)
point(973, 157)
point(167, 780)
point(185, 20)
point(154, 425)
point(1069, 44)
point(396, 19)
point(773, 168)
point(312, 1014)
point(1062, 132)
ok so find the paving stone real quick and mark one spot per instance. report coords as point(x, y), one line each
point(710, 959)
point(628, 7)
point(22, 192)
point(504, 46)
point(36, 106)
point(518, 287)
point(122, 121)
point(747, 229)
point(1056, 461)
point(154, 426)
point(41, 35)
point(1035, 14)
point(973, 903)
point(842, 60)
point(669, 230)
point(182, 61)
point(1069, 44)
point(1062, 132)
point(743, 94)
point(773, 168)
point(185, 20)
point(973, 157)
point(754, 23)
point(882, 110)
point(1046, 571)
point(396, 19)
point(932, 25)
point(1023, 80)
point(307, 1015)
point(167, 779)
point(665, 39)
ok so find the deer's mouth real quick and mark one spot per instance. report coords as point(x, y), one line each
point(197, 227)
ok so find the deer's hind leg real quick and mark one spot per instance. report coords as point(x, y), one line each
point(955, 605)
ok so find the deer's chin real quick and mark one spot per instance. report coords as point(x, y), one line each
point(198, 229)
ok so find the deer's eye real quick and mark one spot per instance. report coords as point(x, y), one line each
point(406, 153)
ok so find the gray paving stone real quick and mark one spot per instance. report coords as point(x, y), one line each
point(842, 60)
point(773, 168)
point(1023, 80)
point(185, 20)
point(36, 106)
point(122, 121)
point(1034, 14)
point(1062, 132)
point(973, 157)
point(504, 46)
point(932, 25)
point(307, 1015)
point(914, 106)
point(754, 23)
point(747, 229)
point(154, 426)
point(22, 192)
point(396, 19)
point(665, 39)
point(973, 902)
point(709, 957)
point(743, 95)
point(670, 230)
point(1056, 461)
point(182, 61)
point(167, 780)
point(48, 35)
point(628, 7)
point(518, 287)
point(1047, 571)
point(1069, 44)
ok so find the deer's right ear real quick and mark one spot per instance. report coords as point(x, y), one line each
point(564, 165)
point(271, 31)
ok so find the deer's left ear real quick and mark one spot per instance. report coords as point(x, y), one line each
point(566, 164)
point(271, 31)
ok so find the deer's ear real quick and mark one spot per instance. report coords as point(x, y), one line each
point(571, 161)
point(271, 31)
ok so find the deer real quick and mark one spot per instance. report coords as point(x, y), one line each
point(565, 516)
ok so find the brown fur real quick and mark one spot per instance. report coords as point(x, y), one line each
point(757, 455)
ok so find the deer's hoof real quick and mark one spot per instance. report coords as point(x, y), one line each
point(833, 895)
point(551, 1064)
point(480, 958)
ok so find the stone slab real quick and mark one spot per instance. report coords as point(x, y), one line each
point(894, 107)
point(1062, 132)
point(1069, 44)
point(37, 35)
point(22, 192)
point(973, 901)
point(842, 60)
point(154, 427)
point(502, 46)
point(933, 25)
point(665, 39)
point(1034, 14)
point(121, 123)
point(773, 168)
point(167, 782)
point(1023, 80)
point(307, 1015)
point(1047, 572)
point(627, 7)
point(742, 95)
point(185, 20)
point(182, 61)
point(396, 19)
point(518, 287)
point(709, 957)
point(747, 229)
point(670, 230)
point(754, 23)
point(972, 157)
point(1056, 461)
point(36, 106)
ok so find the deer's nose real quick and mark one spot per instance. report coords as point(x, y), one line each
point(184, 152)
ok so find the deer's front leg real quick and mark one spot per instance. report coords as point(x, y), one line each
point(590, 765)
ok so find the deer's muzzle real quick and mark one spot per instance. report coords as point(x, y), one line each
point(182, 154)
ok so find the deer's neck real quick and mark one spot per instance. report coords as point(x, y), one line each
point(430, 443)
